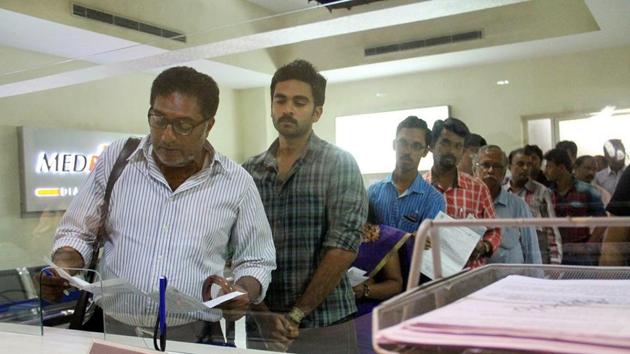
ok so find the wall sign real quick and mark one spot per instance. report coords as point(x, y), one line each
point(55, 162)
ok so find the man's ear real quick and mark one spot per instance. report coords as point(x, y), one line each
point(426, 151)
point(394, 144)
point(317, 113)
point(209, 126)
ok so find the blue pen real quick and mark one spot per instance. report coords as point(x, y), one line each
point(161, 320)
point(163, 283)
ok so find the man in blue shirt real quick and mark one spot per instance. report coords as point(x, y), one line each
point(518, 244)
point(404, 199)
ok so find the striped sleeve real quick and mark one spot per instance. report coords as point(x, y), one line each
point(251, 240)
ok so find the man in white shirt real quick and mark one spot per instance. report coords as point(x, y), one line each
point(615, 154)
point(178, 209)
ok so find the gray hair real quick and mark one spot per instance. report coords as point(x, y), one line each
point(486, 148)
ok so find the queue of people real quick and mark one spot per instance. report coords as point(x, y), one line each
point(291, 220)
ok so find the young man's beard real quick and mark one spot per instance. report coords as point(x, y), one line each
point(447, 162)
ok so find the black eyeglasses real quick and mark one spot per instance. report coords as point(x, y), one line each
point(182, 126)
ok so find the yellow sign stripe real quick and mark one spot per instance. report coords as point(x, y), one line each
point(47, 192)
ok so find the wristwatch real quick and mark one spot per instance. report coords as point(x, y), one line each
point(366, 290)
point(296, 315)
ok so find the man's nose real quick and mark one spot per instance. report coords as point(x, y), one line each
point(288, 108)
point(169, 134)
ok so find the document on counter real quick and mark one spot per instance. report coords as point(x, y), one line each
point(176, 301)
point(456, 246)
point(179, 302)
point(99, 288)
point(523, 313)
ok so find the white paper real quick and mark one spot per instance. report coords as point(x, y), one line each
point(179, 302)
point(456, 246)
point(106, 287)
point(577, 316)
point(176, 301)
point(223, 298)
point(356, 276)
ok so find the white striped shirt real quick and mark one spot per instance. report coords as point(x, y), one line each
point(184, 235)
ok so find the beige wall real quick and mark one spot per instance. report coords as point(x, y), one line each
point(576, 82)
point(117, 104)
point(254, 115)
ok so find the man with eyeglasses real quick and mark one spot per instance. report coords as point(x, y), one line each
point(465, 195)
point(540, 201)
point(519, 245)
point(177, 209)
point(404, 199)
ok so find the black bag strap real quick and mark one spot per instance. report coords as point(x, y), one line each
point(121, 162)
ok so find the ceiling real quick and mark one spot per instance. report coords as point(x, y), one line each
point(241, 42)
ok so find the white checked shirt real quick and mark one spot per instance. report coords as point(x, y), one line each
point(185, 235)
point(608, 179)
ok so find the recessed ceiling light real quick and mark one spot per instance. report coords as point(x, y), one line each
point(503, 82)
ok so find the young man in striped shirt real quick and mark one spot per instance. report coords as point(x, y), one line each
point(404, 199)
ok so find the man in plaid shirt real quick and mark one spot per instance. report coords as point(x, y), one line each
point(540, 201)
point(316, 205)
point(465, 195)
point(573, 197)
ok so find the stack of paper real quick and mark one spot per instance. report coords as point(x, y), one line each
point(528, 314)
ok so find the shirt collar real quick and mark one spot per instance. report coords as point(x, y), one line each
point(574, 183)
point(458, 182)
point(613, 173)
point(530, 186)
point(145, 149)
point(312, 146)
point(415, 187)
point(502, 198)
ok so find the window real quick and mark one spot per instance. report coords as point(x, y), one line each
point(588, 131)
point(369, 137)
